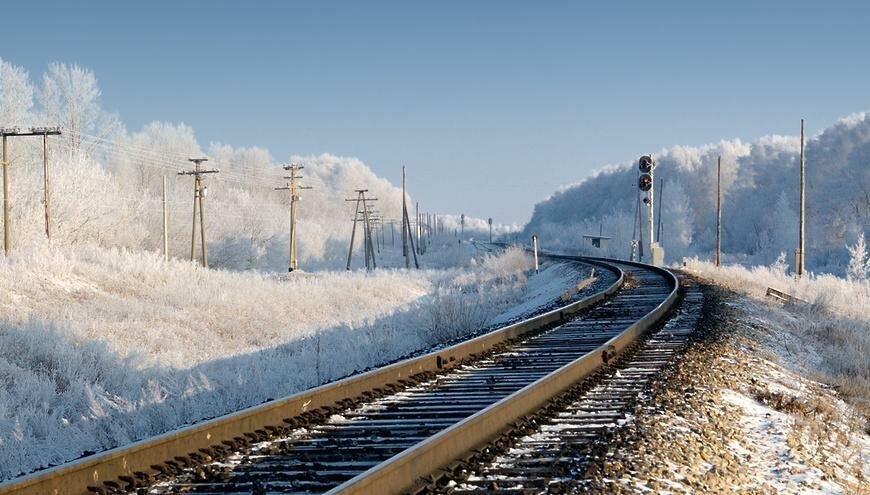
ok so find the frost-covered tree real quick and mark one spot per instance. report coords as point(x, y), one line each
point(70, 98)
point(677, 220)
point(859, 263)
point(16, 95)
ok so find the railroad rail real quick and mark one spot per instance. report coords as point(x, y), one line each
point(554, 450)
point(381, 431)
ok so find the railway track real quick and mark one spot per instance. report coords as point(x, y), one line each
point(381, 431)
point(554, 450)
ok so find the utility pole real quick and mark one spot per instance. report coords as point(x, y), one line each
point(405, 228)
point(294, 188)
point(801, 254)
point(718, 210)
point(33, 131)
point(5, 198)
point(535, 248)
point(361, 212)
point(661, 203)
point(165, 224)
point(199, 192)
point(417, 227)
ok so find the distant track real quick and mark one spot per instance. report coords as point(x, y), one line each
point(379, 432)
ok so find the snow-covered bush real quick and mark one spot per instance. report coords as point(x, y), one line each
point(100, 347)
point(859, 263)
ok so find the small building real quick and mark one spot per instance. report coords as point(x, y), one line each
point(596, 241)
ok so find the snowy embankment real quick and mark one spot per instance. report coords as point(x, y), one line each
point(828, 337)
point(100, 347)
point(749, 407)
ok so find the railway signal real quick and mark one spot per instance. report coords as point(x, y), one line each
point(646, 183)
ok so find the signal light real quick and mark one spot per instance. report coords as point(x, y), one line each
point(645, 164)
point(644, 182)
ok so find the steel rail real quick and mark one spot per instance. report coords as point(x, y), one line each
point(401, 472)
point(75, 477)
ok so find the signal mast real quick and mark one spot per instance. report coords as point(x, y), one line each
point(646, 183)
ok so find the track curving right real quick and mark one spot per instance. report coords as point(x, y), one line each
point(320, 457)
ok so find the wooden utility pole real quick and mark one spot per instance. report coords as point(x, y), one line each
point(47, 195)
point(535, 249)
point(659, 224)
point(361, 213)
point(33, 131)
point(199, 191)
point(405, 228)
point(718, 210)
point(165, 224)
point(801, 254)
point(294, 188)
point(5, 197)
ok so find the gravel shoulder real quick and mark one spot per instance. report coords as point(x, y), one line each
point(732, 416)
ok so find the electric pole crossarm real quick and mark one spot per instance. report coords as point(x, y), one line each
point(6, 132)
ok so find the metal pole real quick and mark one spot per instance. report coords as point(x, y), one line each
point(45, 188)
point(718, 211)
point(5, 198)
point(202, 227)
point(801, 256)
point(535, 248)
point(165, 224)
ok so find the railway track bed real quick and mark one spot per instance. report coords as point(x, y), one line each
point(320, 457)
point(389, 429)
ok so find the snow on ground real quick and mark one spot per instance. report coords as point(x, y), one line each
point(827, 338)
point(100, 347)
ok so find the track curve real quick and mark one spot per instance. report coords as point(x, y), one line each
point(336, 455)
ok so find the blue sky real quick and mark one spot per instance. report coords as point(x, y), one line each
point(491, 105)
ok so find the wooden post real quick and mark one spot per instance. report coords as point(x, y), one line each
point(202, 224)
point(353, 232)
point(801, 255)
point(718, 210)
point(5, 198)
point(45, 187)
point(165, 224)
point(193, 233)
point(535, 248)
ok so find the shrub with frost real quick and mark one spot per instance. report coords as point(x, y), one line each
point(859, 263)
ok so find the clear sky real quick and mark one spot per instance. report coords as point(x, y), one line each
point(491, 105)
